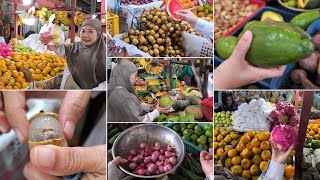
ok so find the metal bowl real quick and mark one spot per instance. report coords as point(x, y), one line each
point(295, 9)
point(149, 134)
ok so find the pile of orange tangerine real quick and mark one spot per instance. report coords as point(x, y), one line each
point(41, 67)
point(313, 129)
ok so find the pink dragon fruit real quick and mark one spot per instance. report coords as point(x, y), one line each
point(289, 110)
point(279, 105)
point(283, 118)
point(294, 120)
point(283, 136)
point(274, 114)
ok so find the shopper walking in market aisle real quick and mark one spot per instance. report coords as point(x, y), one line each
point(200, 25)
point(236, 71)
point(123, 102)
point(86, 59)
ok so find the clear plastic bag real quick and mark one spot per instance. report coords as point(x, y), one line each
point(51, 34)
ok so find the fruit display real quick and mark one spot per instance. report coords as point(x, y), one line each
point(79, 18)
point(187, 4)
point(223, 139)
point(201, 137)
point(223, 119)
point(135, 2)
point(300, 4)
point(251, 155)
point(62, 17)
point(313, 129)
point(162, 36)
point(151, 68)
point(257, 111)
point(5, 50)
point(230, 13)
point(205, 12)
point(21, 49)
point(14, 41)
point(43, 14)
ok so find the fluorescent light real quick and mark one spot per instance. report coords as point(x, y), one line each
point(98, 0)
point(26, 2)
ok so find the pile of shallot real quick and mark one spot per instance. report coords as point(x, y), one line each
point(149, 160)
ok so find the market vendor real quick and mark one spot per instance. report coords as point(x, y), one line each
point(200, 25)
point(237, 72)
point(206, 160)
point(86, 59)
point(123, 102)
point(228, 102)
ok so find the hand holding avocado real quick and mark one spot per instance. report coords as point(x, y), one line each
point(238, 72)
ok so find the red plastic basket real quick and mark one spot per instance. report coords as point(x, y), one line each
point(207, 108)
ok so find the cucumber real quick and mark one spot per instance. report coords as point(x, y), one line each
point(315, 144)
point(111, 141)
point(113, 132)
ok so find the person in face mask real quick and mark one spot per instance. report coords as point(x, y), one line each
point(123, 101)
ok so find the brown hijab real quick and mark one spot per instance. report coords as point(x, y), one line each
point(87, 64)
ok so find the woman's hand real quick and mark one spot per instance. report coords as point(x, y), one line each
point(188, 16)
point(280, 156)
point(50, 162)
point(206, 160)
point(236, 71)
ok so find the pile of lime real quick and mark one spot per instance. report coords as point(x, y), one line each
point(197, 135)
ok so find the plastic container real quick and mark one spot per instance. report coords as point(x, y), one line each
point(260, 3)
point(190, 148)
point(207, 108)
point(275, 83)
point(112, 24)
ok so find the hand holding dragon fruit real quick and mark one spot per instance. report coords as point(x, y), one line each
point(283, 136)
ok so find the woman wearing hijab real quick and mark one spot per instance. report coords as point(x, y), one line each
point(86, 59)
point(123, 102)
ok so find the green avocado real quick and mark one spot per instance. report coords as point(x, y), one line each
point(276, 43)
point(304, 19)
point(225, 46)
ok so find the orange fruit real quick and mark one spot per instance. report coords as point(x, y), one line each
point(3, 68)
point(251, 134)
point(216, 157)
point(266, 155)
point(220, 151)
point(232, 153)
point(254, 177)
point(255, 170)
point(240, 147)
point(222, 144)
point(289, 171)
point(265, 145)
point(316, 136)
point(15, 73)
point(226, 148)
point(246, 153)
point(249, 145)
point(256, 159)
point(255, 142)
point(236, 170)
point(245, 163)
point(227, 139)
point(236, 160)
point(219, 138)
point(311, 133)
point(233, 142)
point(315, 128)
point(263, 165)
point(246, 174)
point(228, 163)
point(245, 139)
point(234, 135)
point(215, 145)
point(264, 136)
point(256, 150)
point(18, 85)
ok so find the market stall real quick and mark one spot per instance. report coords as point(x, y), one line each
point(27, 63)
point(245, 138)
point(185, 92)
point(174, 149)
point(297, 17)
point(152, 29)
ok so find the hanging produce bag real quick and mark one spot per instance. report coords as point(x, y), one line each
point(51, 34)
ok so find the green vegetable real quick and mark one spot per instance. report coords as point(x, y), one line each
point(113, 132)
point(143, 93)
point(315, 144)
point(303, 20)
point(162, 118)
point(111, 141)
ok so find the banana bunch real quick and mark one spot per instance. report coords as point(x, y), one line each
point(32, 11)
point(63, 18)
point(43, 14)
point(79, 18)
point(149, 67)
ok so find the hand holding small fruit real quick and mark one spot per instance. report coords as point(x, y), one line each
point(188, 16)
point(279, 155)
point(206, 160)
point(237, 72)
